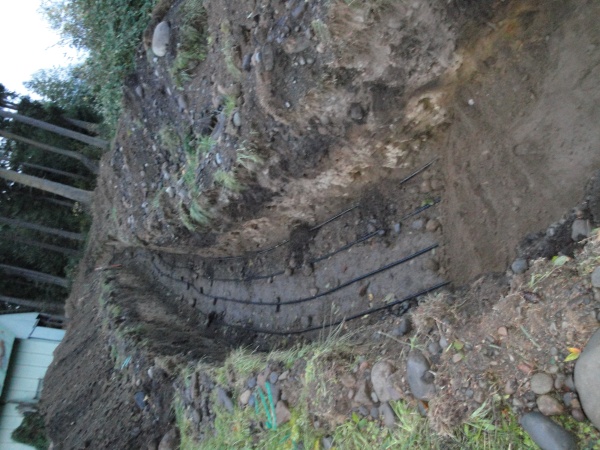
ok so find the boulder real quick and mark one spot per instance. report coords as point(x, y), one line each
point(417, 367)
point(546, 433)
point(587, 381)
point(160, 39)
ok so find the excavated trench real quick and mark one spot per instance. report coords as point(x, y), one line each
point(332, 225)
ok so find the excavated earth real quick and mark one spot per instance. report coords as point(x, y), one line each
point(423, 139)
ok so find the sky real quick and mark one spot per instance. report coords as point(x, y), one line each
point(27, 44)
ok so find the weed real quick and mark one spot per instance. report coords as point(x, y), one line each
point(229, 105)
point(321, 30)
point(192, 49)
point(170, 140)
point(228, 51)
point(205, 144)
point(198, 214)
point(227, 180)
point(247, 157)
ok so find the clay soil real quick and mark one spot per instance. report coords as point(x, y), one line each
point(453, 129)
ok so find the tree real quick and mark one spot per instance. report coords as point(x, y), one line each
point(13, 237)
point(38, 305)
point(34, 275)
point(62, 173)
point(42, 229)
point(89, 140)
point(91, 165)
point(76, 194)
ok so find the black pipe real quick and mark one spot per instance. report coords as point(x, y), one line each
point(339, 322)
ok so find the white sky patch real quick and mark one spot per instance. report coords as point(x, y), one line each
point(27, 44)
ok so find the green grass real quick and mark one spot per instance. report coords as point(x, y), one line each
point(227, 50)
point(247, 157)
point(229, 105)
point(227, 180)
point(193, 42)
point(492, 426)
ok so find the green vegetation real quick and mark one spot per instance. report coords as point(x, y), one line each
point(23, 208)
point(193, 47)
point(492, 426)
point(321, 30)
point(32, 431)
point(227, 50)
point(110, 31)
point(229, 105)
point(227, 180)
point(247, 157)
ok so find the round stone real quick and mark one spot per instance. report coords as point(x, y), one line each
point(542, 383)
point(519, 266)
point(549, 406)
point(237, 119)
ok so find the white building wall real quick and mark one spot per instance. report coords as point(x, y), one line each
point(28, 366)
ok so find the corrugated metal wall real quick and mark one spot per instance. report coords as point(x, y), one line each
point(27, 368)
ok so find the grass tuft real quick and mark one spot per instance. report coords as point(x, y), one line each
point(227, 180)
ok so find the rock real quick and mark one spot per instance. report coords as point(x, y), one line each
point(578, 414)
point(596, 277)
point(580, 229)
point(170, 441)
point(363, 394)
point(417, 367)
point(434, 348)
point(282, 413)
point(247, 62)
point(296, 44)
point(348, 380)
point(327, 443)
point(541, 383)
point(519, 266)
point(546, 433)
point(417, 224)
point(251, 383)
point(140, 399)
point(380, 378)
point(267, 57)
point(559, 381)
point(273, 377)
point(432, 225)
point(510, 387)
point(389, 418)
point(160, 39)
point(284, 375)
point(356, 112)
point(262, 378)
point(502, 331)
point(245, 397)
point(224, 399)
point(237, 119)
point(549, 406)
point(375, 412)
point(403, 328)
point(587, 381)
